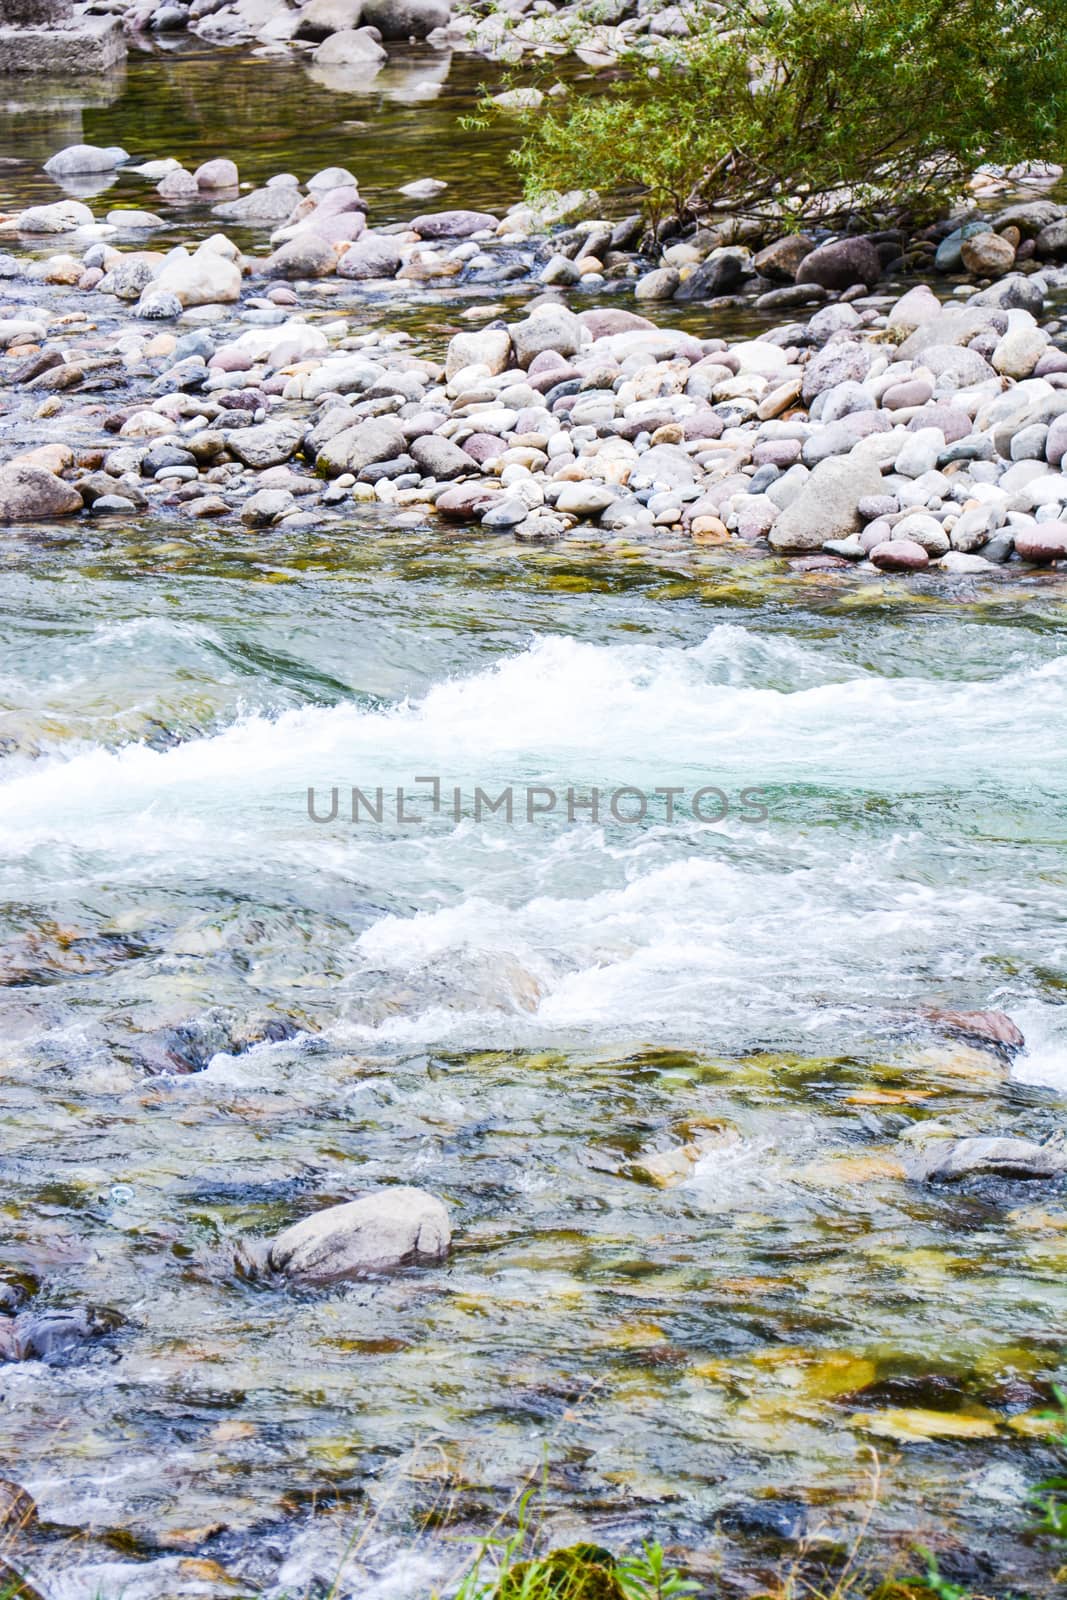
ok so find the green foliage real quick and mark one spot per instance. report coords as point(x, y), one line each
point(1050, 1511)
point(647, 1577)
point(818, 108)
point(935, 1583)
point(504, 1570)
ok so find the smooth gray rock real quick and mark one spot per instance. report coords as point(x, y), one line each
point(269, 444)
point(948, 1161)
point(78, 159)
point(308, 255)
point(383, 1230)
point(374, 255)
point(438, 457)
point(271, 204)
point(353, 449)
point(841, 264)
point(29, 494)
point(551, 327)
point(839, 362)
point(826, 506)
point(451, 224)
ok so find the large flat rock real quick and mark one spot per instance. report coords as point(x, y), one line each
point(81, 47)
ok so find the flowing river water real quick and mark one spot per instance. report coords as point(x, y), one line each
point(220, 1015)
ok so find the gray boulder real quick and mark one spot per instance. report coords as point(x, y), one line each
point(308, 255)
point(840, 362)
point(438, 457)
point(383, 1230)
point(266, 507)
point(269, 444)
point(452, 224)
point(29, 494)
point(374, 255)
point(78, 159)
point(948, 1161)
point(349, 47)
point(484, 347)
point(826, 506)
point(551, 327)
point(272, 204)
point(63, 216)
point(320, 18)
point(720, 274)
point(406, 19)
point(841, 264)
point(353, 449)
point(1015, 292)
point(781, 260)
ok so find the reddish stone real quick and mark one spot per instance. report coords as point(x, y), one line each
point(1045, 542)
point(900, 555)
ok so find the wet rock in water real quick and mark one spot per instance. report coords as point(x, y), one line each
point(309, 255)
point(178, 185)
point(350, 47)
point(900, 555)
point(781, 260)
point(52, 1335)
point(1045, 542)
point(79, 159)
point(993, 1027)
point(266, 507)
point(320, 18)
point(169, 1578)
point(951, 1160)
point(28, 494)
point(64, 216)
point(271, 204)
point(374, 255)
point(423, 188)
point(659, 284)
point(987, 255)
point(267, 444)
point(720, 274)
point(467, 501)
point(779, 1520)
point(218, 174)
point(383, 1230)
point(452, 224)
point(841, 264)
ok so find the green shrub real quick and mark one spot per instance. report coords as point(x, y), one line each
point(821, 108)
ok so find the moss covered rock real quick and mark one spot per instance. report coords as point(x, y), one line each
point(580, 1572)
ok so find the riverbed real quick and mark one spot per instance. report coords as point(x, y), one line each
point(657, 1060)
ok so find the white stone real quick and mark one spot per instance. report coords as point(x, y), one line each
point(206, 278)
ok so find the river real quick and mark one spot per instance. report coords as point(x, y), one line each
point(221, 1014)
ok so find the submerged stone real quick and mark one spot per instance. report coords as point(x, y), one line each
point(381, 1231)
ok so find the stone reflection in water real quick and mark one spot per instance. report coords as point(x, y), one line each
point(41, 115)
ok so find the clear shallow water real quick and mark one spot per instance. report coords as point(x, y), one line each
point(514, 1017)
point(518, 1018)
